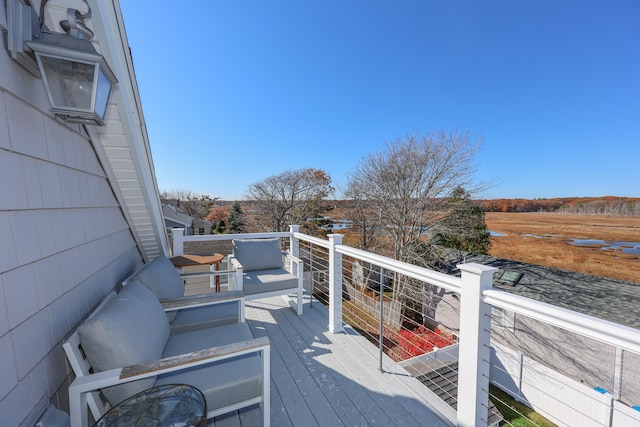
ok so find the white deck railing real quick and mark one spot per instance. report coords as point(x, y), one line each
point(477, 363)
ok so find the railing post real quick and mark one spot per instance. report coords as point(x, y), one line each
point(294, 243)
point(312, 278)
point(520, 374)
point(617, 374)
point(475, 353)
point(381, 338)
point(335, 284)
point(178, 241)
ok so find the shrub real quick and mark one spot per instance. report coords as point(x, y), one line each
point(422, 340)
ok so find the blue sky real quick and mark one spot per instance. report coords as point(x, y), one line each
point(235, 91)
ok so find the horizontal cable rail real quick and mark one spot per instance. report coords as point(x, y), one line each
point(314, 240)
point(589, 326)
point(403, 340)
point(179, 239)
point(395, 326)
point(214, 237)
point(568, 378)
point(440, 279)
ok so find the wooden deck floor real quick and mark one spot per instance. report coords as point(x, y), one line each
point(324, 379)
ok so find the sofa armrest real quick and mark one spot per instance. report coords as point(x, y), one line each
point(84, 384)
point(195, 358)
point(201, 300)
point(293, 258)
point(238, 269)
point(207, 274)
point(296, 265)
point(235, 264)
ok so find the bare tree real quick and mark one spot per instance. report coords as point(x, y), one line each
point(192, 203)
point(408, 181)
point(365, 215)
point(291, 197)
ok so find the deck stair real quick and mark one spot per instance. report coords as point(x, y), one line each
point(442, 379)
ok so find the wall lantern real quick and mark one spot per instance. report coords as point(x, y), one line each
point(77, 78)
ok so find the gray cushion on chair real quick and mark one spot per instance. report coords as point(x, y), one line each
point(209, 316)
point(258, 254)
point(224, 382)
point(277, 279)
point(162, 278)
point(130, 329)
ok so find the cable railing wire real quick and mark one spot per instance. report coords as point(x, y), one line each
point(374, 291)
point(371, 294)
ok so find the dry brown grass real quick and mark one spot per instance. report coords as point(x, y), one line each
point(558, 229)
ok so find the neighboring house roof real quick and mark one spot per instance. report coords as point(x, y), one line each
point(609, 299)
point(171, 213)
point(123, 144)
point(199, 222)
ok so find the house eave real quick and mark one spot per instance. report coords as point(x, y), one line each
point(123, 143)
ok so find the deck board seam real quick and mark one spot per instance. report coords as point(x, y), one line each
point(314, 337)
point(299, 414)
point(283, 327)
point(409, 387)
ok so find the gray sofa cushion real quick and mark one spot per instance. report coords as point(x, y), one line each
point(193, 319)
point(161, 277)
point(258, 254)
point(277, 279)
point(130, 329)
point(224, 382)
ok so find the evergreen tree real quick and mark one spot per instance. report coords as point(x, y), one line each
point(235, 220)
point(463, 227)
point(220, 227)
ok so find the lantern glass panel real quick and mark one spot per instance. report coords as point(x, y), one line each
point(70, 83)
point(102, 95)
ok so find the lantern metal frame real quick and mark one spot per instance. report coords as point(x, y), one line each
point(77, 79)
point(68, 66)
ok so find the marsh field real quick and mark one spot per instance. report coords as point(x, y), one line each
point(545, 239)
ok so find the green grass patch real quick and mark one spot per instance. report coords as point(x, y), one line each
point(515, 413)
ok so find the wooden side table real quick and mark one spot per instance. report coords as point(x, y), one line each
point(188, 260)
point(166, 405)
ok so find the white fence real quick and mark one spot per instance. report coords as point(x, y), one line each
point(546, 391)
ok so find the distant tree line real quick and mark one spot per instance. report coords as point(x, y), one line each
point(604, 206)
point(608, 205)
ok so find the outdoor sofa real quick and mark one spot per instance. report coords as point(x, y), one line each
point(128, 344)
